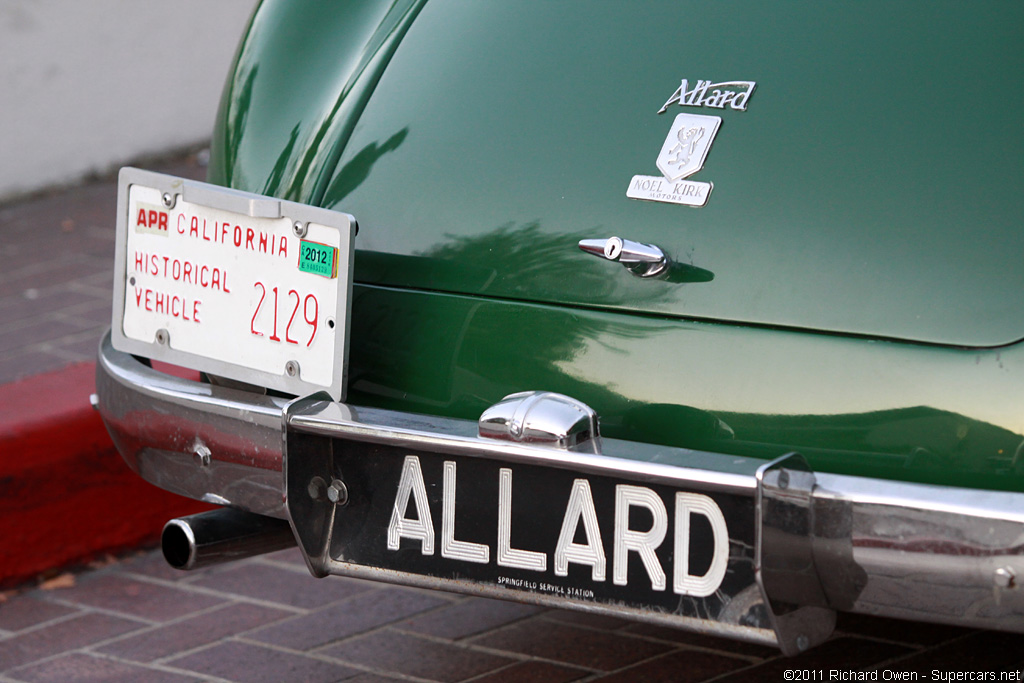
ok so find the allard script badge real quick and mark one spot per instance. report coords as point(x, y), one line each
point(688, 142)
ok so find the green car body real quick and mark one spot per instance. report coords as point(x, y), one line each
point(850, 290)
point(800, 396)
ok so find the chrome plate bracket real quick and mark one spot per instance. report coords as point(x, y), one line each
point(784, 555)
point(309, 470)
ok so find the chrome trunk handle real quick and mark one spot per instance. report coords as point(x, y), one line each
point(642, 260)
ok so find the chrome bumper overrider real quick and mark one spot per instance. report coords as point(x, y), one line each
point(818, 543)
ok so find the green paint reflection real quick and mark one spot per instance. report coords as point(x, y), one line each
point(751, 392)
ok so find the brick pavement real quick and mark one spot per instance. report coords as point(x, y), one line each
point(56, 265)
point(266, 619)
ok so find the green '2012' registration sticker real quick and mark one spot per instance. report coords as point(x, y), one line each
point(319, 259)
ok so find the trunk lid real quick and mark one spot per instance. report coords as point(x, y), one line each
point(872, 185)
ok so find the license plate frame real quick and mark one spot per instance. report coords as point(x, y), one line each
point(212, 279)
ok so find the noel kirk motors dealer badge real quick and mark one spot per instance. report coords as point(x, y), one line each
point(687, 144)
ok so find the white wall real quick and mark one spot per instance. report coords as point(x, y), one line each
point(88, 84)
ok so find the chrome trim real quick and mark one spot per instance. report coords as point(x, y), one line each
point(160, 423)
point(222, 535)
point(784, 557)
point(698, 96)
point(914, 551)
point(540, 417)
point(926, 553)
point(642, 260)
point(711, 472)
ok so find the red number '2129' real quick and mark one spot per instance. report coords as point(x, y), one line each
point(311, 318)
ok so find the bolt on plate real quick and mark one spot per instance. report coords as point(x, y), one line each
point(337, 492)
point(317, 488)
point(202, 455)
point(1004, 577)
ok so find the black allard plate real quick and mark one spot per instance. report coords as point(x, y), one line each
point(580, 538)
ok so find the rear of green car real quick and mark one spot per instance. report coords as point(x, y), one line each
point(823, 359)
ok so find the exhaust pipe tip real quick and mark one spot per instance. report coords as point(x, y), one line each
point(178, 544)
point(222, 535)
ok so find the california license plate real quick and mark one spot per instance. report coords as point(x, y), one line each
point(239, 285)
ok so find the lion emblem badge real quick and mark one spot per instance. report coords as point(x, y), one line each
point(687, 145)
point(682, 154)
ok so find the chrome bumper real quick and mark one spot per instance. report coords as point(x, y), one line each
point(209, 443)
point(825, 542)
